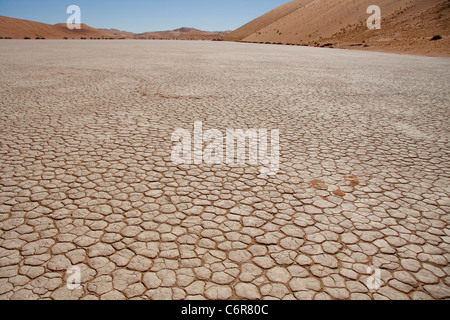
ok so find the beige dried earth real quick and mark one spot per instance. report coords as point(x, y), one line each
point(87, 178)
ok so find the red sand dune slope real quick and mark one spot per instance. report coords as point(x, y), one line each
point(407, 25)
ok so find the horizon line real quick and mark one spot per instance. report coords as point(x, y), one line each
point(112, 28)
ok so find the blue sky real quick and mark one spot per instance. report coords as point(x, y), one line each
point(144, 15)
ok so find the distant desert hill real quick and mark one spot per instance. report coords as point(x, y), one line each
point(407, 25)
point(119, 33)
point(19, 29)
point(184, 34)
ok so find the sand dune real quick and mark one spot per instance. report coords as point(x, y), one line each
point(407, 25)
point(119, 33)
point(19, 29)
point(266, 20)
point(184, 34)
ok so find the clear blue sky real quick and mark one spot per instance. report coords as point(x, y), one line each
point(144, 15)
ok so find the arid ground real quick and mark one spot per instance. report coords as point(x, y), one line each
point(87, 178)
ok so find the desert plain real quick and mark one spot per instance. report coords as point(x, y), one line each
point(87, 178)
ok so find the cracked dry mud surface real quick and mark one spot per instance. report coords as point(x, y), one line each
point(87, 178)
